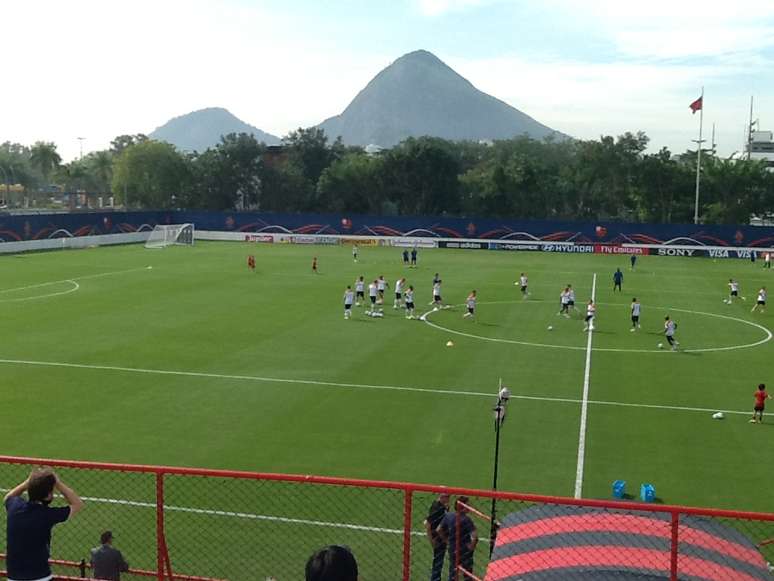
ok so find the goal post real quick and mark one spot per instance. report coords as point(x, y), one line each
point(169, 234)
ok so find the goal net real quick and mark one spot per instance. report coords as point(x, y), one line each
point(170, 234)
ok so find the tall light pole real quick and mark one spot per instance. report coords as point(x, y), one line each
point(80, 141)
point(698, 158)
point(503, 396)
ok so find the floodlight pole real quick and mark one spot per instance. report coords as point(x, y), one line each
point(503, 394)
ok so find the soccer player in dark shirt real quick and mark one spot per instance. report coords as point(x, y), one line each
point(617, 279)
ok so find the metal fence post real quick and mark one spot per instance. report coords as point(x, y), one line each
point(160, 540)
point(674, 547)
point(407, 503)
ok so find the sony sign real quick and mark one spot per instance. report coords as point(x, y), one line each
point(666, 251)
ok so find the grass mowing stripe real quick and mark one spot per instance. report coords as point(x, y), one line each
point(428, 390)
point(585, 402)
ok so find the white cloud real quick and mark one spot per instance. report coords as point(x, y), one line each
point(439, 7)
point(587, 100)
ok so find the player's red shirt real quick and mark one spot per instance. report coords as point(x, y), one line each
point(760, 398)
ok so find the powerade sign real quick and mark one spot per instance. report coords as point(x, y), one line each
point(464, 245)
point(571, 248)
point(514, 247)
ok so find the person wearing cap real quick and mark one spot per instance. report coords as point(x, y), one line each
point(107, 561)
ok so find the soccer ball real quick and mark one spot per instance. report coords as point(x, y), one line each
point(660, 345)
point(435, 309)
point(550, 328)
point(718, 416)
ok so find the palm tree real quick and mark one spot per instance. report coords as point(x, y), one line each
point(101, 164)
point(44, 158)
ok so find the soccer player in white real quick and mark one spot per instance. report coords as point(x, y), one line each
point(669, 331)
point(733, 292)
point(359, 291)
point(635, 314)
point(410, 303)
point(591, 311)
point(397, 303)
point(570, 298)
point(372, 294)
point(523, 282)
point(761, 302)
point(437, 300)
point(564, 301)
point(470, 302)
point(354, 252)
point(436, 279)
point(381, 286)
point(349, 298)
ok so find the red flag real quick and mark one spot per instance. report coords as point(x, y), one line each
point(696, 105)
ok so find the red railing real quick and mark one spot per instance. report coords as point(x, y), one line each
point(198, 524)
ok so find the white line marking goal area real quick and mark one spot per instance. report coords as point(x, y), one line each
point(585, 400)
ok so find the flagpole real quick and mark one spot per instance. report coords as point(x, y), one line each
point(698, 160)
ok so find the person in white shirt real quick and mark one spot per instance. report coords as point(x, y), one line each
point(591, 311)
point(349, 298)
point(761, 302)
point(570, 298)
point(523, 282)
point(635, 314)
point(381, 285)
point(354, 252)
point(669, 332)
point(470, 302)
point(359, 291)
point(372, 294)
point(437, 300)
point(733, 293)
point(564, 301)
point(410, 302)
point(436, 279)
point(398, 302)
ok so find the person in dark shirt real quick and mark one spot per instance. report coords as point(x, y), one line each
point(617, 279)
point(434, 517)
point(467, 541)
point(633, 260)
point(414, 257)
point(405, 257)
point(332, 563)
point(30, 522)
point(108, 563)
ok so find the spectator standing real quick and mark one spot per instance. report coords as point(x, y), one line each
point(467, 541)
point(107, 562)
point(434, 518)
point(30, 522)
point(332, 563)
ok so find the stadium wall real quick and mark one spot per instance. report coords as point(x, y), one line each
point(713, 241)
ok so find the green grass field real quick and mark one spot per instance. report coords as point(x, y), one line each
point(198, 362)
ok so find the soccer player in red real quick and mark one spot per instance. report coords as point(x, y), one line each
point(251, 262)
point(314, 265)
point(760, 403)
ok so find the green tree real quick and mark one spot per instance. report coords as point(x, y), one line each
point(151, 174)
point(351, 184)
point(45, 159)
point(121, 142)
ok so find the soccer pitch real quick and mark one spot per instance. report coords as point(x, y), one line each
point(199, 362)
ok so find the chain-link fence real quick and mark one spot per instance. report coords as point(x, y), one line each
point(203, 525)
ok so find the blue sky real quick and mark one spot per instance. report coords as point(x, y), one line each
point(95, 69)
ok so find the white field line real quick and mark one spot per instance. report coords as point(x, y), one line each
point(244, 515)
point(85, 277)
point(424, 390)
point(585, 403)
point(72, 289)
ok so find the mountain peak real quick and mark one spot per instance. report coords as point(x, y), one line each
point(418, 95)
point(203, 128)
